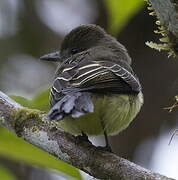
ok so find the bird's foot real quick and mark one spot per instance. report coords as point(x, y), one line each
point(83, 137)
point(105, 148)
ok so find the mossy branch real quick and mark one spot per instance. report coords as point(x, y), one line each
point(166, 12)
point(29, 125)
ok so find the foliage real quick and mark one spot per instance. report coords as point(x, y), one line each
point(5, 174)
point(120, 12)
point(167, 41)
point(40, 101)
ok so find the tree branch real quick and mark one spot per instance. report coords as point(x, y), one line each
point(29, 125)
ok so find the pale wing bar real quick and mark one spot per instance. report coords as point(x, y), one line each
point(83, 72)
point(100, 68)
point(123, 73)
point(92, 70)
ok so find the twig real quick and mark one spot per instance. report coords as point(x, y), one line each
point(173, 134)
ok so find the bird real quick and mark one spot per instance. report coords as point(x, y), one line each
point(95, 91)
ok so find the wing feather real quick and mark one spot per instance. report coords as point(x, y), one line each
point(94, 76)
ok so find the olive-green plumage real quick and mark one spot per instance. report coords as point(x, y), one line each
point(114, 111)
point(95, 90)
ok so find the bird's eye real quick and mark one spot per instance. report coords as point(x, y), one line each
point(74, 51)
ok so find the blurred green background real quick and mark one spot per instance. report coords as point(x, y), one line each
point(29, 29)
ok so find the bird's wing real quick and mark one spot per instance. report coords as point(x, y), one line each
point(74, 82)
point(120, 78)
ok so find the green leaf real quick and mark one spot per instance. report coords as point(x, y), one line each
point(17, 149)
point(120, 12)
point(5, 174)
point(40, 101)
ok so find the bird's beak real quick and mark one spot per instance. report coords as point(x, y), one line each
point(55, 56)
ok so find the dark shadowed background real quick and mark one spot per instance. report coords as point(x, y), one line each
point(29, 29)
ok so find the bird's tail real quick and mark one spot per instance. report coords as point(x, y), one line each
point(73, 104)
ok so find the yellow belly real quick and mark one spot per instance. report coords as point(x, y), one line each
point(112, 113)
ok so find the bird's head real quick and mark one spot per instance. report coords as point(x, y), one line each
point(85, 37)
point(79, 39)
